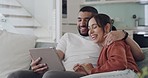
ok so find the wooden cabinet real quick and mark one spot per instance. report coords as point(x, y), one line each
point(88, 2)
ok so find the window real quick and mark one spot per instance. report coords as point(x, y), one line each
point(64, 8)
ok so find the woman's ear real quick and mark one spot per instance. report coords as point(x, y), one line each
point(107, 28)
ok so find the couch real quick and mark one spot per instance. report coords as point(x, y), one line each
point(140, 64)
point(14, 51)
point(144, 63)
point(14, 54)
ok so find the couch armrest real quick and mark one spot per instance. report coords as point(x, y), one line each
point(144, 62)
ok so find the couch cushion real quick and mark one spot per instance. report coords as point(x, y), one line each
point(14, 53)
point(113, 74)
point(144, 63)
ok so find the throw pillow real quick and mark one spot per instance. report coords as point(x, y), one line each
point(14, 54)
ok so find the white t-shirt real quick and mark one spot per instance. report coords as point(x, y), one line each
point(78, 49)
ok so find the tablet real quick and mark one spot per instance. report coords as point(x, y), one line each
point(49, 56)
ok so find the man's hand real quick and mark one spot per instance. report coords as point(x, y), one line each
point(37, 67)
point(113, 36)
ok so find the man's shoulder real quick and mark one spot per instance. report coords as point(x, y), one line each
point(75, 36)
point(70, 34)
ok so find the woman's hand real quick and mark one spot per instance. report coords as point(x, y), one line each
point(37, 67)
point(88, 67)
point(83, 68)
point(79, 69)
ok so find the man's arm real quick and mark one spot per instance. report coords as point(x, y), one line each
point(60, 54)
point(61, 46)
point(119, 35)
point(135, 48)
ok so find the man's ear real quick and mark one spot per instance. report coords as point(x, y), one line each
point(107, 28)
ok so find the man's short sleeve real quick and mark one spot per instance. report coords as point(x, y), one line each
point(62, 44)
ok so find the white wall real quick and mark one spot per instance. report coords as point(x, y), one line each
point(42, 10)
point(73, 7)
point(29, 5)
point(44, 14)
point(146, 14)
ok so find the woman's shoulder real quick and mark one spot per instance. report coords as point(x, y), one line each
point(118, 43)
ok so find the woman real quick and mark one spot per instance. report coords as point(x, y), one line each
point(116, 56)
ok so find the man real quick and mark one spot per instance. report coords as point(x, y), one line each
point(77, 48)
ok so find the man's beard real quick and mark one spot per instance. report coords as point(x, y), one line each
point(83, 34)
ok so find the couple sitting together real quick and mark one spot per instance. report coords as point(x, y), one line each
point(103, 51)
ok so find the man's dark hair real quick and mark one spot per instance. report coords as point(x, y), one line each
point(89, 9)
point(113, 28)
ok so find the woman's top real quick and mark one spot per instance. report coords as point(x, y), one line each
point(116, 56)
